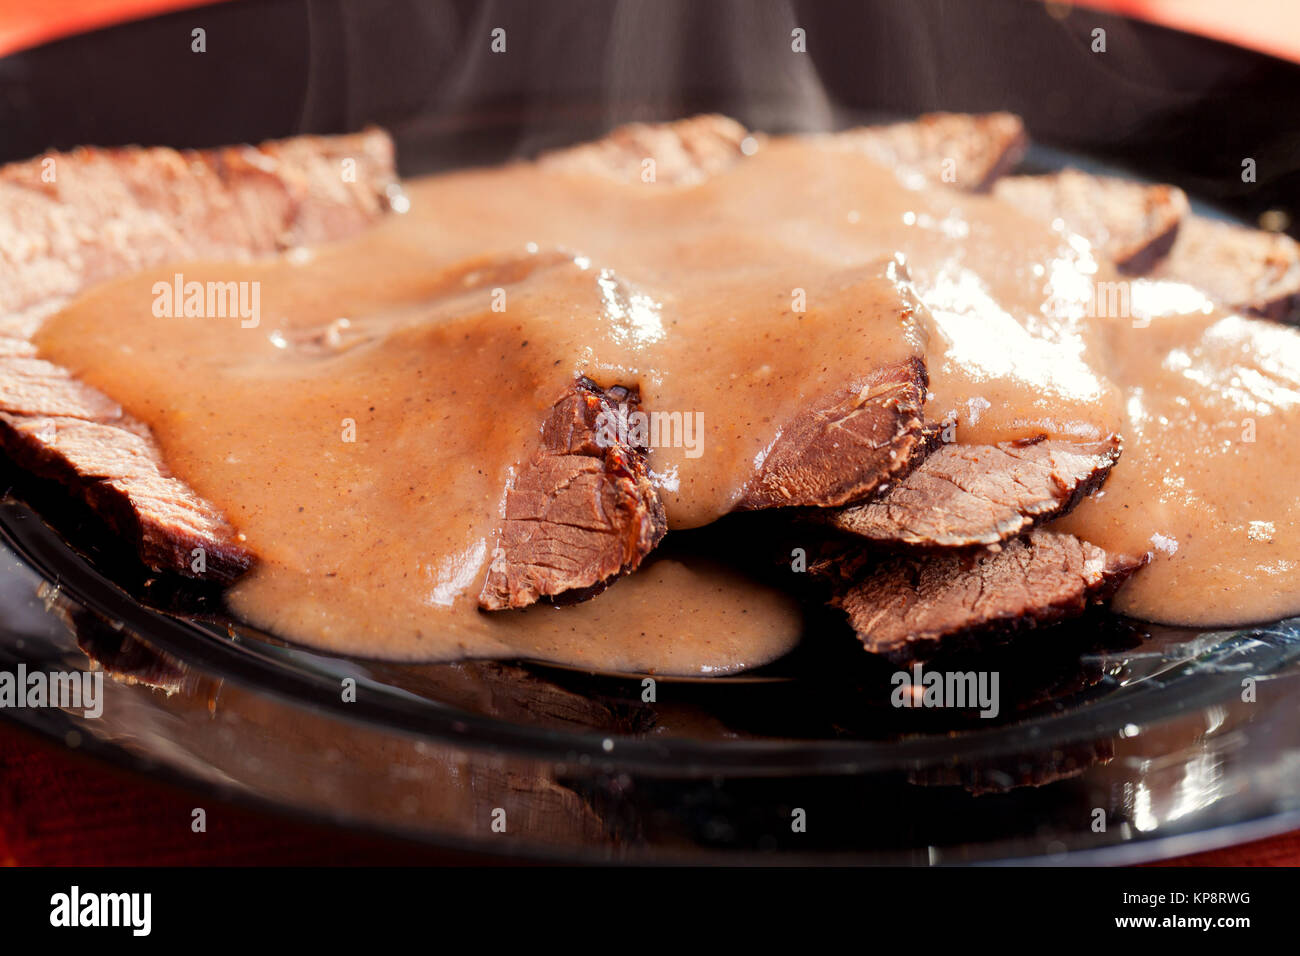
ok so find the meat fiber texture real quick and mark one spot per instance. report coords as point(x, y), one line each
point(108, 212)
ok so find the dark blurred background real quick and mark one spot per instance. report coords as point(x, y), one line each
point(1169, 105)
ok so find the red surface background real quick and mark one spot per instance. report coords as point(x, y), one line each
point(27, 23)
point(61, 808)
point(1269, 25)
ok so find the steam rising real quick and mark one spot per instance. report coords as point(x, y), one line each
point(573, 70)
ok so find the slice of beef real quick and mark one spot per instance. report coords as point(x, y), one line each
point(16, 348)
point(581, 512)
point(846, 444)
point(842, 445)
point(1238, 267)
point(68, 220)
point(33, 386)
point(964, 495)
point(1147, 229)
point(907, 607)
point(966, 150)
point(683, 152)
point(118, 471)
point(982, 147)
point(1132, 224)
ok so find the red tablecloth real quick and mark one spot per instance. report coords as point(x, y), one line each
point(1269, 25)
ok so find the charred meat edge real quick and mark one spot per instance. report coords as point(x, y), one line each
point(910, 606)
point(581, 512)
point(966, 495)
point(847, 444)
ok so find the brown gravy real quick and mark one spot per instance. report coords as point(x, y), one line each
point(366, 461)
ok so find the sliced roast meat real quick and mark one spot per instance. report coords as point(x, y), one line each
point(118, 471)
point(682, 152)
point(969, 151)
point(966, 150)
point(33, 386)
point(16, 348)
point(907, 607)
point(1237, 267)
point(1133, 224)
point(71, 219)
point(68, 220)
point(846, 444)
point(964, 495)
point(581, 512)
point(1147, 229)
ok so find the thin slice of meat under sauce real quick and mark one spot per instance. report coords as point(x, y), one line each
point(909, 607)
point(581, 512)
point(965, 495)
point(113, 211)
point(1147, 229)
point(980, 148)
point(847, 444)
point(967, 150)
point(682, 152)
point(802, 468)
point(118, 471)
point(1133, 224)
point(1246, 269)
